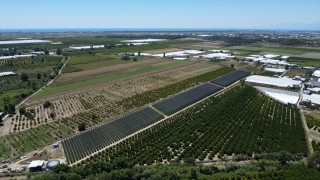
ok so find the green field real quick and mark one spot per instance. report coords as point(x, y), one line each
point(270, 50)
point(104, 77)
point(14, 89)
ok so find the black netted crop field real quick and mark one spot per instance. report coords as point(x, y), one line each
point(230, 78)
point(182, 100)
point(83, 144)
point(238, 121)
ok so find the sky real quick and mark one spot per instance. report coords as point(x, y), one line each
point(199, 14)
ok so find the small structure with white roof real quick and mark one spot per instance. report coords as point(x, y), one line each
point(7, 73)
point(280, 82)
point(37, 165)
point(316, 73)
point(271, 55)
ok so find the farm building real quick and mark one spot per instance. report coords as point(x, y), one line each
point(275, 69)
point(193, 52)
point(37, 165)
point(280, 82)
point(216, 55)
point(314, 98)
point(280, 95)
point(284, 57)
point(86, 47)
point(316, 89)
point(142, 54)
point(271, 55)
point(143, 40)
point(179, 53)
point(17, 56)
point(316, 73)
point(6, 73)
point(179, 58)
point(56, 43)
point(314, 83)
point(255, 56)
point(25, 41)
point(217, 50)
point(266, 61)
point(37, 52)
point(137, 44)
point(250, 59)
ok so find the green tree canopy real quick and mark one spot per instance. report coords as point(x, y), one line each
point(24, 77)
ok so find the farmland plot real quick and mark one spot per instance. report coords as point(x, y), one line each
point(239, 121)
point(115, 99)
point(112, 109)
point(85, 143)
point(180, 101)
point(230, 78)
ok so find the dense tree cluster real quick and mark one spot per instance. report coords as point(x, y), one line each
point(120, 169)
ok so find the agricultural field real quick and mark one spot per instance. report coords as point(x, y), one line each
point(91, 109)
point(202, 45)
point(265, 50)
point(18, 143)
point(184, 99)
point(213, 128)
point(102, 136)
point(230, 78)
point(106, 104)
point(312, 122)
point(130, 49)
point(304, 61)
point(294, 71)
point(39, 70)
point(99, 72)
point(316, 146)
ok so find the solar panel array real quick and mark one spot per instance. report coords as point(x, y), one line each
point(230, 78)
point(83, 144)
point(182, 100)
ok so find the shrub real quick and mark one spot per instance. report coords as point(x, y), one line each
point(47, 104)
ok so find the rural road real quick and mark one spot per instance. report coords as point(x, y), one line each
point(304, 123)
point(5, 129)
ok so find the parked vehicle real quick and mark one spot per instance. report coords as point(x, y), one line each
point(13, 170)
point(35, 154)
point(4, 171)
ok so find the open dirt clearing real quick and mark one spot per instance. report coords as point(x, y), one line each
point(292, 72)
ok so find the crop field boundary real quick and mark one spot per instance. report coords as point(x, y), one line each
point(164, 119)
point(99, 85)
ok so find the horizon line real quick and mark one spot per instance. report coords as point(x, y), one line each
point(146, 29)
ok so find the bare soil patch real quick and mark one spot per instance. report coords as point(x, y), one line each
point(292, 72)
